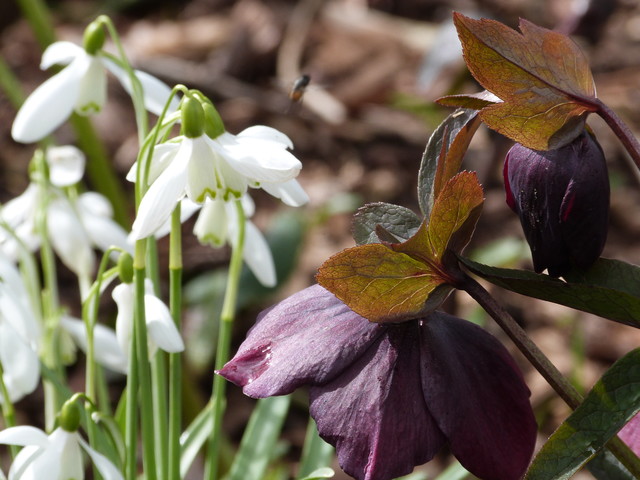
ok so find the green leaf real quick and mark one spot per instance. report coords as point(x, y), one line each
point(474, 101)
point(606, 290)
point(324, 472)
point(452, 221)
point(259, 438)
point(442, 158)
point(316, 453)
point(542, 77)
point(401, 222)
point(380, 284)
point(193, 438)
point(612, 402)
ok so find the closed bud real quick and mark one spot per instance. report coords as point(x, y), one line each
point(94, 37)
point(192, 117)
point(562, 199)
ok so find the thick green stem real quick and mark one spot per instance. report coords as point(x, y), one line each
point(175, 369)
point(142, 362)
point(541, 363)
point(224, 345)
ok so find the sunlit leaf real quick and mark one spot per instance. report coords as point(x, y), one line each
point(612, 402)
point(443, 156)
point(380, 284)
point(606, 289)
point(542, 77)
point(399, 221)
point(474, 101)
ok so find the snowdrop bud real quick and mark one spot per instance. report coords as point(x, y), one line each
point(94, 37)
point(192, 117)
point(69, 417)
point(213, 122)
point(125, 268)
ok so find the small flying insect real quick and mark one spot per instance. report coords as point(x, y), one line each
point(298, 88)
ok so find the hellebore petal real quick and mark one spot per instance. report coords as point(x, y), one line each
point(308, 338)
point(66, 165)
point(478, 397)
point(51, 103)
point(562, 199)
point(155, 91)
point(160, 200)
point(630, 434)
point(374, 411)
point(290, 192)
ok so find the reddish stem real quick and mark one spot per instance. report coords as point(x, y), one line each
point(621, 130)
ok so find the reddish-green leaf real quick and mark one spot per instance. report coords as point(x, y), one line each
point(380, 284)
point(474, 101)
point(443, 156)
point(542, 77)
point(453, 219)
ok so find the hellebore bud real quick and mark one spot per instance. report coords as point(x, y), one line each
point(562, 199)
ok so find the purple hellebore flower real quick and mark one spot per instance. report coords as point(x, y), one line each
point(389, 397)
point(562, 199)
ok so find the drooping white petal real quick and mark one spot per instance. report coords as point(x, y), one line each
point(163, 155)
point(102, 463)
point(106, 346)
point(291, 192)
point(95, 214)
point(66, 165)
point(160, 326)
point(212, 224)
point(63, 447)
point(60, 53)
point(69, 239)
point(202, 181)
point(161, 198)
point(256, 254)
point(20, 363)
point(15, 303)
point(50, 104)
point(17, 210)
point(155, 91)
point(23, 436)
point(262, 132)
point(93, 89)
point(22, 466)
point(259, 160)
point(187, 209)
point(123, 296)
point(248, 206)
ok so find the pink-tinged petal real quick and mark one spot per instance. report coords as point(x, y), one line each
point(60, 53)
point(23, 436)
point(308, 338)
point(163, 196)
point(291, 192)
point(374, 411)
point(630, 434)
point(264, 133)
point(476, 393)
point(50, 104)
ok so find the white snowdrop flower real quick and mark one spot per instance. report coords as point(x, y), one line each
point(218, 224)
point(57, 456)
point(81, 87)
point(66, 165)
point(161, 329)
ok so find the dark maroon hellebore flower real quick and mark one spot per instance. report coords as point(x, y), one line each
point(389, 397)
point(562, 199)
